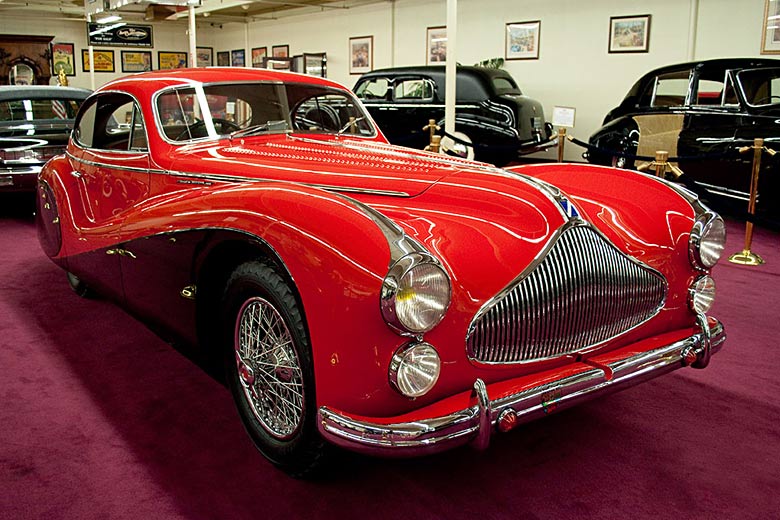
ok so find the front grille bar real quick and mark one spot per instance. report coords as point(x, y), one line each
point(581, 291)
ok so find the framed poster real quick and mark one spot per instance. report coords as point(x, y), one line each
point(63, 58)
point(104, 60)
point(770, 35)
point(171, 60)
point(223, 59)
point(258, 53)
point(136, 61)
point(283, 52)
point(522, 40)
point(237, 58)
point(205, 56)
point(436, 47)
point(629, 33)
point(361, 54)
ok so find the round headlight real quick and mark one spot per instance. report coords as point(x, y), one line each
point(414, 369)
point(708, 238)
point(701, 294)
point(415, 294)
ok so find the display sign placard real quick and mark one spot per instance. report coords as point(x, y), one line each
point(563, 116)
point(120, 35)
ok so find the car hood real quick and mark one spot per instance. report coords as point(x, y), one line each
point(340, 164)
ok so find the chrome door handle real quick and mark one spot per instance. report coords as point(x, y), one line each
point(77, 174)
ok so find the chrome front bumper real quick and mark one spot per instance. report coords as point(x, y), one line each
point(478, 422)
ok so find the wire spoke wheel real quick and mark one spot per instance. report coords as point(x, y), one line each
point(269, 369)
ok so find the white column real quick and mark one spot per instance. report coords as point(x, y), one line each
point(193, 41)
point(693, 29)
point(451, 66)
point(91, 56)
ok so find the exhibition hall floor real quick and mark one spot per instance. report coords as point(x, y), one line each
point(101, 419)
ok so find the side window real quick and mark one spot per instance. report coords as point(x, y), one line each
point(107, 123)
point(85, 128)
point(709, 92)
point(413, 89)
point(671, 89)
point(138, 132)
point(376, 88)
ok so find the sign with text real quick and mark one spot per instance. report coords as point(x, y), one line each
point(120, 35)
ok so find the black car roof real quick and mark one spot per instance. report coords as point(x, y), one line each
point(703, 65)
point(474, 83)
point(14, 92)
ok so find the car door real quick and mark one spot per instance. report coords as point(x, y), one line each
point(110, 167)
point(709, 131)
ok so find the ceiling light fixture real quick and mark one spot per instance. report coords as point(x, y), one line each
point(108, 18)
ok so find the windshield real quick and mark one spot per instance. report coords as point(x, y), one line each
point(761, 87)
point(243, 109)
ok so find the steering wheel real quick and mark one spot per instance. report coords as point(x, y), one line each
point(197, 129)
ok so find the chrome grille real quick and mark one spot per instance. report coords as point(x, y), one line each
point(582, 292)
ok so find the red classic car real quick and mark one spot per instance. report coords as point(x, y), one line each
point(378, 298)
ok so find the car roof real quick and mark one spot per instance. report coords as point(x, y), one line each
point(703, 66)
point(15, 92)
point(438, 70)
point(214, 75)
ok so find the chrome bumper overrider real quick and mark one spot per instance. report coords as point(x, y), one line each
point(477, 423)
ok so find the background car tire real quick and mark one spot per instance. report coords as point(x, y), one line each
point(450, 146)
point(78, 286)
point(270, 371)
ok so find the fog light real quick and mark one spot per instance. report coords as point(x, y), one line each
point(414, 369)
point(701, 294)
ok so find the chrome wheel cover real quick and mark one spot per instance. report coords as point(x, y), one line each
point(268, 367)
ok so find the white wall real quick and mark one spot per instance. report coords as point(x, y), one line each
point(574, 67)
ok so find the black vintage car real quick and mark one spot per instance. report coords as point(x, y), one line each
point(35, 124)
point(702, 113)
point(491, 112)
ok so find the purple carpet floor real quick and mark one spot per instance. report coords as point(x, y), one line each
point(101, 419)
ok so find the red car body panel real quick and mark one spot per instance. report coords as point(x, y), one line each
point(295, 195)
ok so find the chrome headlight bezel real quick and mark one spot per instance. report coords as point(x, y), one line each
point(414, 369)
point(397, 281)
point(707, 241)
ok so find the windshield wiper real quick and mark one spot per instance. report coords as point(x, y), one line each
point(353, 122)
point(269, 126)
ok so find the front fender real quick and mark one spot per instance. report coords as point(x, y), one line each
point(336, 256)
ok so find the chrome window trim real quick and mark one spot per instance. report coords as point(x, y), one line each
point(97, 97)
point(201, 94)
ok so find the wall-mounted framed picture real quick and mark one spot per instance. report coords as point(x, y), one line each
point(104, 60)
point(63, 59)
point(361, 54)
point(136, 61)
point(629, 33)
point(522, 40)
point(770, 35)
point(258, 53)
point(205, 56)
point(171, 60)
point(237, 58)
point(223, 59)
point(436, 45)
point(280, 51)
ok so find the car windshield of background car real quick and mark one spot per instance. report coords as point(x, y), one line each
point(761, 87)
point(242, 109)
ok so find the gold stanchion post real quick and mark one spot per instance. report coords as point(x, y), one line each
point(661, 157)
point(561, 139)
point(432, 127)
point(747, 257)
